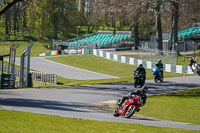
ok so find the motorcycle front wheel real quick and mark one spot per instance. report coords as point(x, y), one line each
point(116, 112)
point(130, 111)
point(136, 83)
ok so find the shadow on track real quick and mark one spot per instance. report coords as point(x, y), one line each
point(45, 104)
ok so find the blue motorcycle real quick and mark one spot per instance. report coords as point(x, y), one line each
point(158, 75)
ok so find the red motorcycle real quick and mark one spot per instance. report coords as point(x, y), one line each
point(129, 107)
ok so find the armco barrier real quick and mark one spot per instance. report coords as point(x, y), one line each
point(146, 64)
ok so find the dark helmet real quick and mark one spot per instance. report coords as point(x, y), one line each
point(159, 61)
point(138, 92)
point(144, 90)
point(140, 66)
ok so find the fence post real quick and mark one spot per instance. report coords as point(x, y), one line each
point(25, 54)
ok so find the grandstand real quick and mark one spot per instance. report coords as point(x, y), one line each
point(188, 32)
point(101, 39)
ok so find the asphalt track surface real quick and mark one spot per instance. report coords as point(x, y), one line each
point(47, 66)
point(83, 101)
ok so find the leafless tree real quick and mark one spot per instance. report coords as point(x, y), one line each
point(8, 5)
point(175, 20)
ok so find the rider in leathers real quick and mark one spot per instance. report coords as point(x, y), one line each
point(141, 93)
point(141, 70)
point(159, 64)
point(192, 62)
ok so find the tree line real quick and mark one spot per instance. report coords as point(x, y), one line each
point(49, 19)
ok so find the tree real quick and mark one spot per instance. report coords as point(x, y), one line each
point(189, 13)
point(158, 24)
point(155, 5)
point(175, 18)
point(8, 6)
point(117, 11)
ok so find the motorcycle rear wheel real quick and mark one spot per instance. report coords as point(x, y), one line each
point(155, 78)
point(161, 78)
point(198, 72)
point(130, 111)
point(116, 112)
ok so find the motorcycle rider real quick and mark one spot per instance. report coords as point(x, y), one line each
point(192, 62)
point(141, 93)
point(141, 70)
point(159, 64)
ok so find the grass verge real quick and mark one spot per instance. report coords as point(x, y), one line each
point(21, 122)
point(96, 64)
point(101, 65)
point(181, 107)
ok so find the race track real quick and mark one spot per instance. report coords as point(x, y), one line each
point(83, 101)
point(47, 66)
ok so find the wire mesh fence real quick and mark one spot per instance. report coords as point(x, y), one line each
point(148, 54)
point(12, 58)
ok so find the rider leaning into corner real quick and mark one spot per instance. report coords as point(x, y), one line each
point(141, 93)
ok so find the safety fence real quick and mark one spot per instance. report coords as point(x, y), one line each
point(167, 57)
point(45, 78)
point(146, 64)
point(37, 76)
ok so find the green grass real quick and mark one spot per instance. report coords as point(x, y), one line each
point(186, 62)
point(21, 122)
point(88, 62)
point(181, 107)
point(180, 60)
point(101, 65)
point(38, 47)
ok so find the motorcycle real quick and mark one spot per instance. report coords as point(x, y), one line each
point(129, 107)
point(158, 75)
point(138, 79)
point(196, 68)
